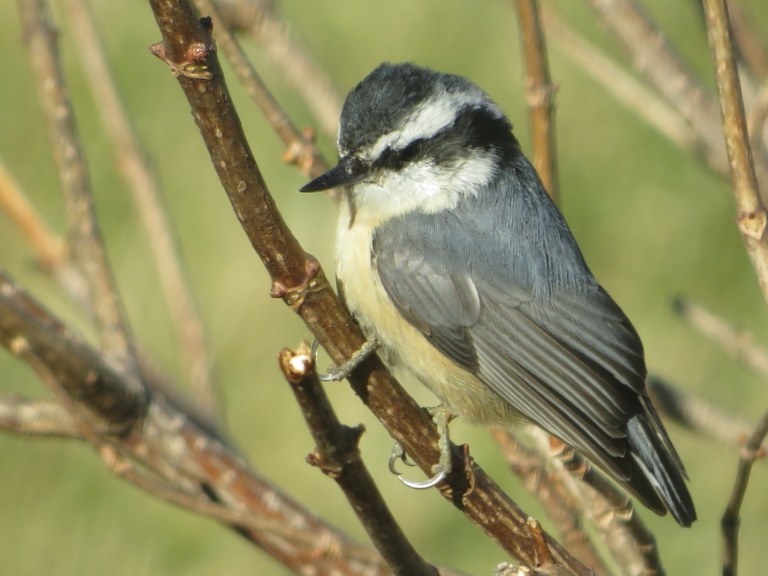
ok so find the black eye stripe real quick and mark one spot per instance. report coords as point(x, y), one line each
point(474, 127)
point(397, 158)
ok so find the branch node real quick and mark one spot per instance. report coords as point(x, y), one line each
point(753, 223)
point(195, 61)
point(302, 152)
point(313, 282)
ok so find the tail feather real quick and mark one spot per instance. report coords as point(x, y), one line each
point(660, 466)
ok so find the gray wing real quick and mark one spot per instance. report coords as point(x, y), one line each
point(536, 329)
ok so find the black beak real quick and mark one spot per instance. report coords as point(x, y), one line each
point(348, 171)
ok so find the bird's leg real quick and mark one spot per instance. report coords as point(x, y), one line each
point(441, 416)
point(338, 373)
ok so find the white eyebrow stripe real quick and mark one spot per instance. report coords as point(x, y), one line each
point(429, 118)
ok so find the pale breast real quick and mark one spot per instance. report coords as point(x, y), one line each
point(403, 345)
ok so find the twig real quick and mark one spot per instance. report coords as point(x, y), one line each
point(540, 95)
point(620, 84)
point(756, 123)
point(36, 418)
point(84, 236)
point(656, 60)
point(730, 522)
point(300, 147)
point(25, 326)
point(696, 413)
point(751, 215)
point(142, 183)
point(337, 455)
point(626, 536)
point(298, 279)
point(295, 62)
point(169, 443)
point(48, 247)
point(740, 344)
point(752, 48)
point(554, 495)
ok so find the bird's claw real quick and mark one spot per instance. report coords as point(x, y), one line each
point(339, 373)
point(441, 417)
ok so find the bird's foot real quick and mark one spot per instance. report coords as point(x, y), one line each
point(338, 373)
point(441, 416)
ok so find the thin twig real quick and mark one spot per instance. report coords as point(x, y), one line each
point(653, 56)
point(738, 343)
point(730, 521)
point(751, 214)
point(554, 495)
point(540, 95)
point(132, 161)
point(47, 246)
point(753, 50)
point(626, 536)
point(337, 455)
point(36, 418)
point(300, 147)
point(695, 413)
point(617, 81)
point(299, 280)
point(262, 21)
point(84, 236)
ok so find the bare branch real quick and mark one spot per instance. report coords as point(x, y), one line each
point(696, 413)
point(752, 48)
point(656, 60)
point(751, 214)
point(132, 161)
point(730, 522)
point(300, 147)
point(739, 344)
point(36, 418)
point(540, 95)
point(559, 503)
point(189, 51)
point(84, 235)
point(621, 84)
point(337, 455)
point(185, 457)
point(48, 247)
point(262, 21)
point(626, 536)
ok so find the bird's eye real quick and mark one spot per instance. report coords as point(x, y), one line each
point(410, 152)
point(396, 159)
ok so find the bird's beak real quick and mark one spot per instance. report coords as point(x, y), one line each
point(349, 170)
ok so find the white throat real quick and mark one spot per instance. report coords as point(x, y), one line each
point(422, 186)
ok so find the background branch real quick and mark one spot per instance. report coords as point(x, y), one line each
point(540, 94)
point(730, 521)
point(751, 215)
point(131, 159)
point(84, 236)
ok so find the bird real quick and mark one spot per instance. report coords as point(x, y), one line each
point(455, 261)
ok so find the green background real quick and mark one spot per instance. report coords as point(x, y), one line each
point(653, 223)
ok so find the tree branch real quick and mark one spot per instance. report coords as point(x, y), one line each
point(730, 522)
point(36, 418)
point(131, 160)
point(540, 95)
point(337, 455)
point(84, 235)
point(187, 461)
point(751, 214)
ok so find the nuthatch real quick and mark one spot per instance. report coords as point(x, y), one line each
point(452, 256)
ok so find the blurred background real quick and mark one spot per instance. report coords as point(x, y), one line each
point(653, 222)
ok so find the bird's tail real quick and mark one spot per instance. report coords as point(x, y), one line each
point(657, 460)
